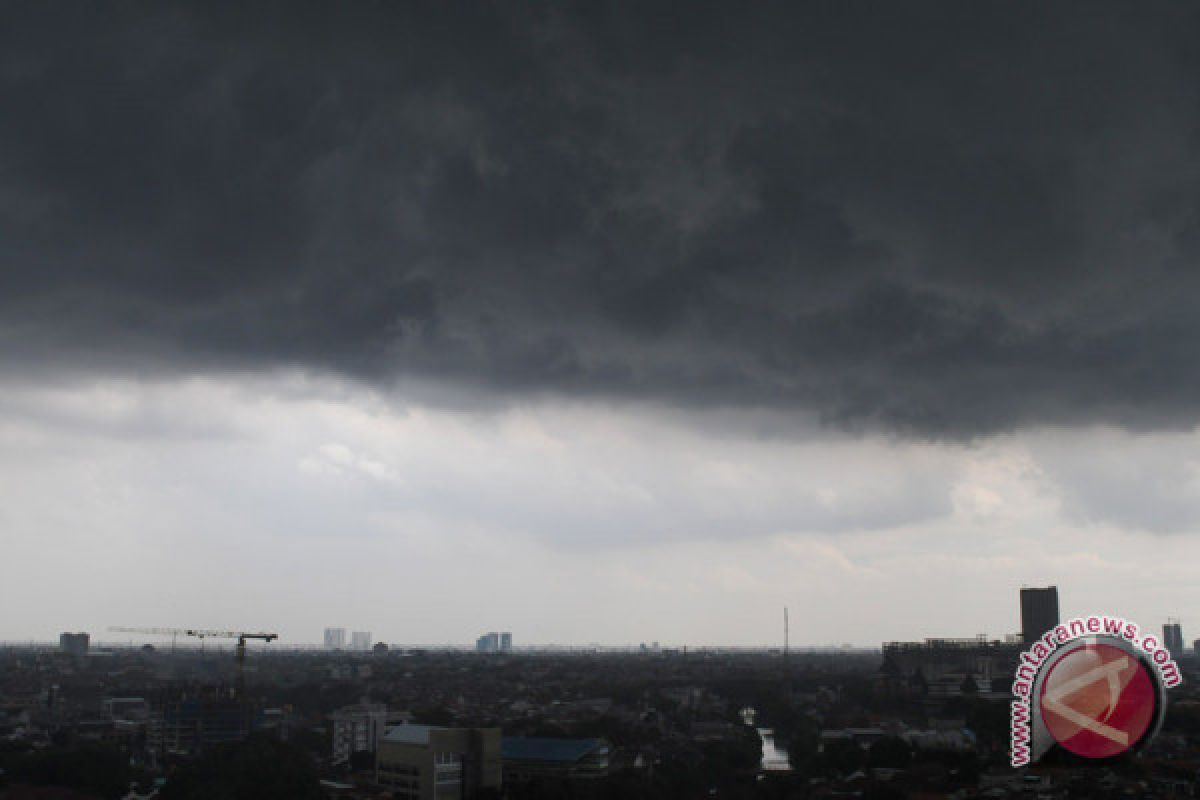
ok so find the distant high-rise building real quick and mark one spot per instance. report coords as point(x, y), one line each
point(360, 640)
point(492, 642)
point(75, 644)
point(1173, 638)
point(335, 638)
point(1039, 612)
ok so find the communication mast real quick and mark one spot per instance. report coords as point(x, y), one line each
point(785, 634)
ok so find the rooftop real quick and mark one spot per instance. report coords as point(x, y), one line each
point(411, 734)
point(535, 748)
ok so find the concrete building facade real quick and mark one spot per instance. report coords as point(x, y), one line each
point(424, 762)
point(356, 729)
point(184, 725)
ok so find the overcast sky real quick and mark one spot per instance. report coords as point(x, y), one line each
point(598, 322)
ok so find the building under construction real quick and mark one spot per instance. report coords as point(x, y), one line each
point(187, 721)
point(948, 667)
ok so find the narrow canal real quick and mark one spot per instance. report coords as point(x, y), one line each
point(774, 757)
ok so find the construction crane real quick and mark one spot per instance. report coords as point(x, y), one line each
point(202, 634)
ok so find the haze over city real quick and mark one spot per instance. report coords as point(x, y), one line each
point(598, 324)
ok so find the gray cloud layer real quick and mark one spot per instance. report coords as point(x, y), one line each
point(944, 220)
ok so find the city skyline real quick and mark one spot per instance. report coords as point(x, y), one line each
point(599, 324)
point(1039, 611)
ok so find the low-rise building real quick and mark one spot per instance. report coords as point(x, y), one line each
point(356, 729)
point(425, 762)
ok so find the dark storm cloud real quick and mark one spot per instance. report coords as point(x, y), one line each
point(942, 219)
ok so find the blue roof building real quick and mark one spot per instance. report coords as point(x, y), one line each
point(527, 758)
